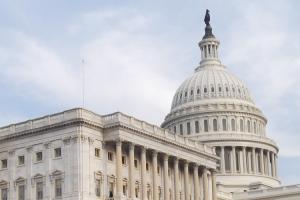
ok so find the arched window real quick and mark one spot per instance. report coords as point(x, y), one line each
point(220, 89)
point(241, 125)
point(254, 127)
point(205, 90)
point(215, 125)
point(205, 125)
point(248, 126)
point(192, 92)
point(226, 89)
point(212, 89)
point(180, 96)
point(232, 124)
point(174, 129)
point(224, 125)
point(188, 128)
point(185, 94)
point(198, 91)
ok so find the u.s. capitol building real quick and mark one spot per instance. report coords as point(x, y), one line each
point(212, 145)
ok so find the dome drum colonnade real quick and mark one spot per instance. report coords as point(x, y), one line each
point(215, 107)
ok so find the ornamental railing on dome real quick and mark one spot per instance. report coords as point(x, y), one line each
point(233, 137)
point(105, 120)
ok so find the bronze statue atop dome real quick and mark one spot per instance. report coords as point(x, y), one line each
point(207, 17)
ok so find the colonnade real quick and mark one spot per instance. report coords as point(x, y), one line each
point(251, 160)
point(187, 167)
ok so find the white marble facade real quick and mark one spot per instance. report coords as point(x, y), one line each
point(78, 154)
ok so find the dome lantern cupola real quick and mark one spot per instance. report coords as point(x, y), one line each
point(209, 46)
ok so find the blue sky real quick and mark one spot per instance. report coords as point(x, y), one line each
point(138, 52)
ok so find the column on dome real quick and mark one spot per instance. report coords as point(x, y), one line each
point(186, 181)
point(276, 165)
point(222, 160)
point(249, 161)
point(131, 171)
point(154, 164)
point(273, 164)
point(244, 160)
point(233, 167)
point(119, 169)
point(176, 178)
point(254, 163)
point(166, 177)
point(196, 182)
point(262, 167)
point(143, 170)
point(268, 163)
point(205, 184)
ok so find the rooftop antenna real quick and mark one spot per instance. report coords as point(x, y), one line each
point(83, 81)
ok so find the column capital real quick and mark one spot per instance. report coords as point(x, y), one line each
point(119, 142)
point(131, 145)
point(166, 157)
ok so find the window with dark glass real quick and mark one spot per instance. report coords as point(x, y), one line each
point(181, 129)
point(215, 125)
point(21, 192)
point(57, 152)
point(39, 190)
point(205, 125)
point(110, 156)
point(21, 160)
point(58, 188)
point(4, 164)
point(188, 127)
point(39, 156)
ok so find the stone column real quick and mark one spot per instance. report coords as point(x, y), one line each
point(143, 169)
point(205, 184)
point(244, 160)
point(214, 184)
point(166, 177)
point(249, 161)
point(186, 181)
point(254, 161)
point(273, 164)
point(131, 171)
point(196, 183)
point(222, 160)
point(268, 163)
point(276, 166)
point(233, 168)
point(154, 163)
point(262, 167)
point(176, 170)
point(119, 168)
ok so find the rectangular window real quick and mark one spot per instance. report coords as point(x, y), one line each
point(98, 188)
point(196, 126)
point(39, 156)
point(124, 160)
point(4, 194)
point(57, 152)
point(97, 152)
point(21, 160)
point(188, 127)
point(4, 164)
point(58, 188)
point(39, 190)
point(205, 125)
point(147, 166)
point(21, 192)
point(110, 156)
point(181, 129)
point(135, 163)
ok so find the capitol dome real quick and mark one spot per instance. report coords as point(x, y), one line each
point(211, 82)
point(213, 106)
